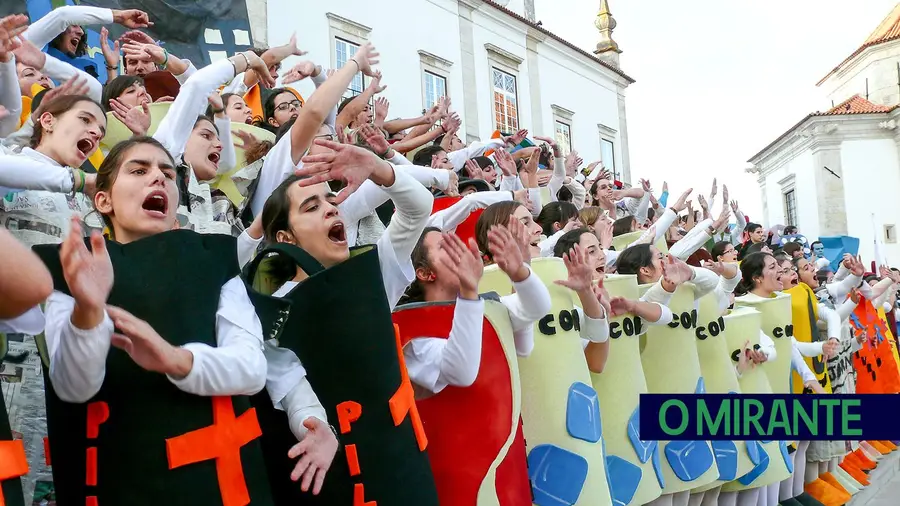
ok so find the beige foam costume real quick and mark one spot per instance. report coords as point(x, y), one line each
point(548, 377)
point(671, 365)
point(719, 377)
point(741, 325)
point(619, 388)
point(620, 242)
point(777, 324)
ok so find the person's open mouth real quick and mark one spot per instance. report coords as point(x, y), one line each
point(156, 204)
point(85, 147)
point(214, 157)
point(337, 233)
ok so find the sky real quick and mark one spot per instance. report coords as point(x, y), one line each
point(718, 80)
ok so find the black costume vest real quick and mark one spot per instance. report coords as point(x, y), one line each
point(139, 441)
point(338, 323)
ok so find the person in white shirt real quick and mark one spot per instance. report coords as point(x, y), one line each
point(304, 212)
point(499, 214)
point(448, 269)
point(157, 345)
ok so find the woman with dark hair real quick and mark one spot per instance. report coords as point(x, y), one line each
point(595, 338)
point(446, 268)
point(723, 251)
point(557, 216)
point(301, 219)
point(194, 140)
point(123, 346)
point(500, 214)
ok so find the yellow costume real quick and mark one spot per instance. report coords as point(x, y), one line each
point(805, 314)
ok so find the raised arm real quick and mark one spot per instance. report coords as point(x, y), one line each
point(24, 281)
point(356, 106)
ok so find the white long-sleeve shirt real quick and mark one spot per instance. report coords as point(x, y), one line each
point(44, 30)
point(459, 157)
point(278, 166)
point(9, 97)
point(236, 366)
point(448, 219)
point(30, 322)
point(694, 240)
point(60, 72)
point(228, 159)
point(31, 170)
point(434, 363)
point(799, 364)
point(285, 380)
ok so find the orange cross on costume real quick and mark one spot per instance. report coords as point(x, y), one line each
point(12, 462)
point(221, 441)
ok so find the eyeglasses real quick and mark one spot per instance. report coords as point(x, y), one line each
point(287, 105)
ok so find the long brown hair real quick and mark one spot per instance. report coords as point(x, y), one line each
point(57, 107)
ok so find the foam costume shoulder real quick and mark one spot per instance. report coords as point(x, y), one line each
point(560, 409)
point(876, 371)
point(140, 440)
point(719, 376)
point(13, 464)
point(770, 460)
point(347, 343)
point(805, 315)
point(475, 444)
point(777, 324)
point(633, 465)
point(686, 465)
point(620, 242)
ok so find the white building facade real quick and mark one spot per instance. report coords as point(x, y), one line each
point(838, 172)
point(501, 70)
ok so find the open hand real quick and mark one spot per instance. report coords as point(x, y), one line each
point(579, 268)
point(11, 27)
point(318, 449)
point(132, 18)
point(505, 162)
point(344, 162)
point(375, 139)
point(682, 203)
point(676, 271)
point(300, 72)
point(111, 55)
point(137, 119)
point(516, 138)
point(88, 274)
point(28, 54)
point(830, 348)
point(465, 261)
point(74, 86)
point(507, 253)
point(146, 347)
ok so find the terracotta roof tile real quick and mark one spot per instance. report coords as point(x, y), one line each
point(856, 105)
point(558, 38)
point(853, 105)
point(887, 31)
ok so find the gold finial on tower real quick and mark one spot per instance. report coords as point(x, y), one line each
point(606, 23)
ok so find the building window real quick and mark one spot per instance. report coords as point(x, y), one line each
point(564, 137)
point(435, 88)
point(506, 111)
point(790, 208)
point(608, 157)
point(343, 51)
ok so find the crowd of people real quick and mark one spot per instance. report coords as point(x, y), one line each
point(302, 310)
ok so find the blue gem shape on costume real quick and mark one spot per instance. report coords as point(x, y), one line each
point(556, 474)
point(726, 459)
point(657, 468)
point(753, 452)
point(643, 449)
point(701, 386)
point(759, 469)
point(625, 478)
point(583, 413)
point(786, 456)
point(689, 459)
